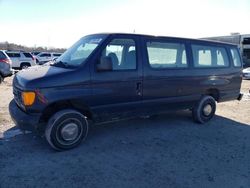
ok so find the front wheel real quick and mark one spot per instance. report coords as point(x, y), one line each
point(66, 129)
point(204, 109)
point(1, 79)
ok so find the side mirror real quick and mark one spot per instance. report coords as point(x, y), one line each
point(105, 64)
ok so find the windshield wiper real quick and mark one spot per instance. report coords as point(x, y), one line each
point(60, 63)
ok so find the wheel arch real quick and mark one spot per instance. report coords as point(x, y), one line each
point(25, 63)
point(22, 64)
point(64, 104)
point(213, 92)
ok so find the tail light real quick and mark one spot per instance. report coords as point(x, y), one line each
point(5, 60)
point(33, 58)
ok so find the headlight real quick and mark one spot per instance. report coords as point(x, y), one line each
point(28, 98)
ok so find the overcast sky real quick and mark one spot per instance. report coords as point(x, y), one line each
point(59, 23)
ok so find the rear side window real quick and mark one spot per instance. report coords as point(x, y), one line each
point(209, 56)
point(166, 55)
point(27, 55)
point(45, 55)
point(57, 55)
point(246, 53)
point(36, 53)
point(246, 41)
point(2, 55)
point(10, 54)
point(236, 57)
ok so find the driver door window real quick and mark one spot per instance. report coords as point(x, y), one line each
point(122, 53)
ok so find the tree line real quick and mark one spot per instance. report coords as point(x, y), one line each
point(16, 47)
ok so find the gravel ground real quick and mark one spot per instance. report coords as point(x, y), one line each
point(166, 151)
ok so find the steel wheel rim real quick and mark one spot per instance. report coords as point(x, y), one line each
point(61, 135)
point(207, 110)
point(70, 131)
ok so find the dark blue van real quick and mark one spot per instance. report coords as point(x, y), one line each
point(105, 77)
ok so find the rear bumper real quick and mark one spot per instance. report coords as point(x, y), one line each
point(240, 97)
point(23, 120)
point(230, 95)
point(246, 75)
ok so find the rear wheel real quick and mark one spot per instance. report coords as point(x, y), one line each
point(25, 65)
point(1, 78)
point(66, 129)
point(204, 110)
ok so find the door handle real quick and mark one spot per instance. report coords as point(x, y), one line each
point(139, 88)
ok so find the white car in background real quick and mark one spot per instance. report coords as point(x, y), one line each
point(21, 60)
point(246, 73)
point(45, 57)
point(5, 66)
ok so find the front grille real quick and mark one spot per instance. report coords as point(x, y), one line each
point(17, 95)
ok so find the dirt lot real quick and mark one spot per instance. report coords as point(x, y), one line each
point(167, 151)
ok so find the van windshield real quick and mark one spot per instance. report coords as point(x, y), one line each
point(79, 52)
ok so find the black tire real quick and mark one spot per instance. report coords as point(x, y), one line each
point(25, 65)
point(1, 78)
point(204, 109)
point(56, 131)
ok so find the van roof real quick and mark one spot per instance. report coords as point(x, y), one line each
point(169, 37)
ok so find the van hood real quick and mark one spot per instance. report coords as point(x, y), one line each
point(42, 77)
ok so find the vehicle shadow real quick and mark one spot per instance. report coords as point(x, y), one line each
point(165, 151)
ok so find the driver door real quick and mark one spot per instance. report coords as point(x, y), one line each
point(117, 92)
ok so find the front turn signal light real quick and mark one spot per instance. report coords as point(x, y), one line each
point(28, 98)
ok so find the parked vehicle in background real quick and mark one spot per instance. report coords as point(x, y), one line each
point(21, 60)
point(45, 57)
point(5, 66)
point(35, 53)
point(243, 43)
point(107, 77)
point(246, 73)
point(56, 55)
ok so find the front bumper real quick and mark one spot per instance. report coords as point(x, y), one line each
point(24, 120)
